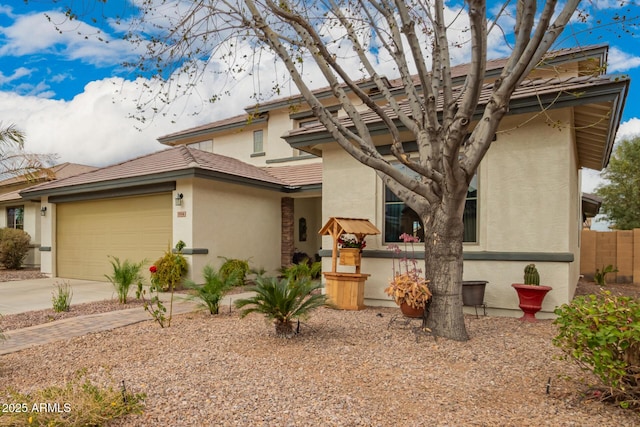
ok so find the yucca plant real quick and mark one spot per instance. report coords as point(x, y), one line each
point(124, 274)
point(214, 287)
point(282, 301)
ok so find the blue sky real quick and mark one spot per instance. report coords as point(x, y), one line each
point(72, 97)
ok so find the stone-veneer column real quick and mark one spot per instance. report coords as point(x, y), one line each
point(287, 245)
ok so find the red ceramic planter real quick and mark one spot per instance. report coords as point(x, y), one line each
point(531, 298)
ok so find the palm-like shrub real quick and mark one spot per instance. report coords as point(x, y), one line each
point(124, 274)
point(214, 287)
point(303, 270)
point(282, 301)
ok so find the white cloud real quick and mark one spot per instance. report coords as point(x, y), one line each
point(92, 128)
point(19, 40)
point(629, 129)
point(17, 73)
point(620, 61)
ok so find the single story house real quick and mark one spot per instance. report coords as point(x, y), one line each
point(259, 186)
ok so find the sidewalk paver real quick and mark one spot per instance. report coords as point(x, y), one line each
point(19, 339)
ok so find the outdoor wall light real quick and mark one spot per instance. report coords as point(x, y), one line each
point(179, 197)
point(43, 211)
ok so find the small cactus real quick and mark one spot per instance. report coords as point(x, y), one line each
point(531, 276)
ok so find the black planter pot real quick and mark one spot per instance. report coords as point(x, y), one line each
point(473, 292)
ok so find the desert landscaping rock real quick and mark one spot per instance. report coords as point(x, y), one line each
point(346, 368)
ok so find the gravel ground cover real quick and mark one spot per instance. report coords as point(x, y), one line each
point(345, 369)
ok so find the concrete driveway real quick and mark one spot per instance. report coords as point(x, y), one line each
point(25, 295)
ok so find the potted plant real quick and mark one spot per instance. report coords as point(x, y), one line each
point(350, 250)
point(530, 294)
point(408, 288)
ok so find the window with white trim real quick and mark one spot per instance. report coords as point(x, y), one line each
point(15, 217)
point(203, 145)
point(258, 144)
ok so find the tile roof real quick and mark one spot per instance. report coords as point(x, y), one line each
point(297, 175)
point(241, 119)
point(10, 196)
point(569, 87)
point(185, 159)
point(493, 66)
point(63, 170)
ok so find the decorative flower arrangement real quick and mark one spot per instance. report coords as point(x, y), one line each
point(408, 284)
point(351, 242)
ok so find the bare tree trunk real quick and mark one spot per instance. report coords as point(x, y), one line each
point(443, 237)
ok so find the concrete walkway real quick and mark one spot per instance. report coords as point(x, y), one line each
point(21, 296)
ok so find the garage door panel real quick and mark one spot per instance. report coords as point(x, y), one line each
point(133, 228)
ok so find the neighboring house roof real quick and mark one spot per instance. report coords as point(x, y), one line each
point(590, 205)
point(598, 102)
point(19, 183)
point(63, 170)
point(170, 164)
point(10, 196)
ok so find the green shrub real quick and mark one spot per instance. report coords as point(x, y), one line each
point(600, 275)
point(170, 269)
point(602, 334)
point(213, 289)
point(304, 270)
point(61, 297)
point(78, 403)
point(14, 246)
point(237, 268)
point(166, 275)
point(281, 301)
point(124, 274)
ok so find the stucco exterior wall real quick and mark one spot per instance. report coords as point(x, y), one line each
point(47, 233)
point(32, 226)
point(228, 220)
point(310, 209)
point(238, 143)
point(528, 190)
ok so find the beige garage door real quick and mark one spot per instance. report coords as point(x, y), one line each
point(131, 228)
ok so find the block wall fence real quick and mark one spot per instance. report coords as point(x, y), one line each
point(620, 248)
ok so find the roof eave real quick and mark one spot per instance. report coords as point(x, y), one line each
point(201, 133)
point(616, 90)
point(157, 178)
